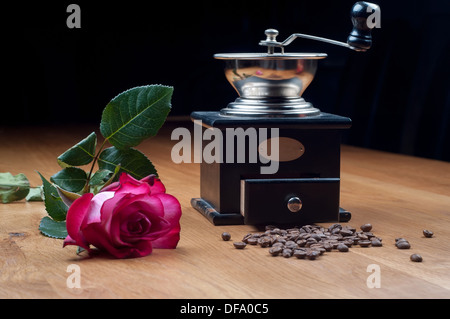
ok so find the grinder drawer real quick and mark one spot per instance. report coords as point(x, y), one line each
point(289, 200)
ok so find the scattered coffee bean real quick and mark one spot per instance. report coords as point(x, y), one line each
point(328, 246)
point(346, 232)
point(309, 241)
point(246, 237)
point(239, 245)
point(348, 242)
point(403, 244)
point(275, 250)
point(264, 241)
point(300, 253)
point(312, 254)
point(366, 227)
point(376, 242)
point(287, 252)
point(290, 244)
point(364, 243)
point(427, 233)
point(363, 236)
point(321, 250)
point(226, 236)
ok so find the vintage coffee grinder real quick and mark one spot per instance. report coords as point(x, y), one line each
point(305, 186)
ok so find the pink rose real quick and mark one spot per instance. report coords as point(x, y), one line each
point(127, 218)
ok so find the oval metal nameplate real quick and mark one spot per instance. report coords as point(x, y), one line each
point(289, 149)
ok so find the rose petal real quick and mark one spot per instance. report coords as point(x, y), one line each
point(75, 217)
point(172, 213)
point(172, 208)
point(157, 187)
point(118, 209)
point(152, 209)
point(169, 240)
point(128, 184)
point(111, 187)
point(94, 213)
point(150, 179)
point(95, 235)
point(82, 243)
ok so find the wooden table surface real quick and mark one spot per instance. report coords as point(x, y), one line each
point(399, 195)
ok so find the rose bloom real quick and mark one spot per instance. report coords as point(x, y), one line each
point(127, 218)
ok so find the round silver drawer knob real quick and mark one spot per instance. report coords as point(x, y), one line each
point(294, 204)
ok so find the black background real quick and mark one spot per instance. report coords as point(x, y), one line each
point(397, 93)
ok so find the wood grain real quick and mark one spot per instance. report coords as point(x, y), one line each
point(399, 195)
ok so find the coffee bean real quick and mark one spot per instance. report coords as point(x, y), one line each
point(312, 254)
point(301, 243)
point(287, 252)
point(300, 253)
point(362, 236)
point(403, 244)
point(239, 245)
point(376, 242)
point(416, 258)
point(310, 241)
point(427, 233)
point(291, 244)
point(346, 232)
point(246, 237)
point(364, 243)
point(348, 242)
point(264, 241)
point(366, 227)
point(321, 250)
point(334, 226)
point(399, 240)
point(275, 231)
point(327, 246)
point(275, 250)
point(278, 244)
point(369, 234)
point(226, 236)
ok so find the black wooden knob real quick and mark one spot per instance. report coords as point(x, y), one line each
point(360, 37)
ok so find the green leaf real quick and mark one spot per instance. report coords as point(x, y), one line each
point(13, 188)
point(111, 179)
point(67, 197)
point(80, 154)
point(35, 194)
point(131, 160)
point(135, 115)
point(71, 179)
point(53, 228)
point(53, 203)
point(100, 177)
